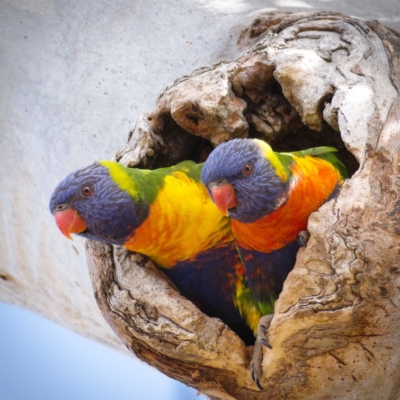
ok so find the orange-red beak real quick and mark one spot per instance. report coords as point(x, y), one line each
point(224, 197)
point(69, 221)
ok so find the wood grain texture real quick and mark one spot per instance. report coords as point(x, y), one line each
point(300, 79)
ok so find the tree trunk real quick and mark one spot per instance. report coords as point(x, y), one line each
point(299, 80)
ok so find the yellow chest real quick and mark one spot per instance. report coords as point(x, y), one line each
point(183, 221)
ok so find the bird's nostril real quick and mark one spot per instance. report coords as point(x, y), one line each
point(61, 207)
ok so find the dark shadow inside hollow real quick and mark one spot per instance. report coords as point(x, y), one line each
point(306, 138)
point(273, 119)
point(270, 117)
point(180, 145)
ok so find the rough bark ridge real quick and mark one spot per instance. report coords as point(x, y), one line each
point(298, 81)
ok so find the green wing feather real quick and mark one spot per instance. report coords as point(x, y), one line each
point(190, 168)
point(147, 183)
point(314, 151)
point(325, 153)
point(248, 307)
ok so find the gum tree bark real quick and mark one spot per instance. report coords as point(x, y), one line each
point(299, 80)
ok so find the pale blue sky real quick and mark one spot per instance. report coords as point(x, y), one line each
point(41, 360)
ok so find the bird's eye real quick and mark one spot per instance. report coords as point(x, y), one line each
point(87, 191)
point(248, 168)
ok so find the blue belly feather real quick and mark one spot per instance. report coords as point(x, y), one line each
point(209, 281)
point(266, 273)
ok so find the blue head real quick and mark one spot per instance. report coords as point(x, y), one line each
point(90, 203)
point(240, 173)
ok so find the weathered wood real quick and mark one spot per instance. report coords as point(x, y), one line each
point(301, 79)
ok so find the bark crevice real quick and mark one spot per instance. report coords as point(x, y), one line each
point(299, 81)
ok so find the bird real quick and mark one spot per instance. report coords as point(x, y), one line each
point(167, 215)
point(269, 197)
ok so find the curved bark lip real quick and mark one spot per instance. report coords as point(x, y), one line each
point(323, 256)
point(69, 221)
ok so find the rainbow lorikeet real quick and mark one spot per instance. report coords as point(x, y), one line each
point(167, 215)
point(269, 197)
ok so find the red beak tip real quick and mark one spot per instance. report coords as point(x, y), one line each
point(224, 197)
point(69, 221)
point(68, 236)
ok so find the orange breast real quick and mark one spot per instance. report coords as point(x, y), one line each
point(313, 181)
